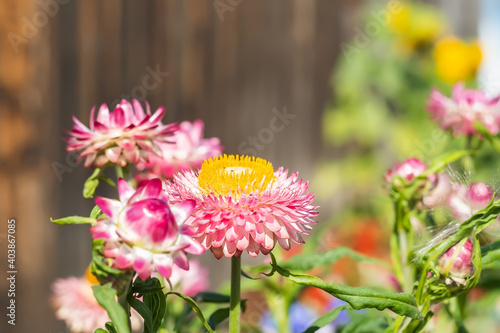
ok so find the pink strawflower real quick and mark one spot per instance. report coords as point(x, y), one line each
point(143, 232)
point(465, 107)
point(242, 204)
point(123, 136)
point(408, 170)
point(465, 201)
point(187, 151)
point(190, 282)
point(456, 263)
point(439, 192)
point(75, 304)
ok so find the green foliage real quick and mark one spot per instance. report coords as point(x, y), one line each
point(74, 220)
point(110, 328)
point(470, 228)
point(106, 297)
point(153, 305)
point(305, 262)
point(360, 297)
point(326, 319)
point(91, 184)
point(102, 267)
point(195, 308)
point(491, 255)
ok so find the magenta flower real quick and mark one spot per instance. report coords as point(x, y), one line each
point(123, 136)
point(408, 170)
point(75, 304)
point(187, 151)
point(465, 107)
point(143, 232)
point(465, 201)
point(190, 282)
point(456, 263)
point(242, 204)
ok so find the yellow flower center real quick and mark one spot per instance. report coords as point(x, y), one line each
point(223, 175)
point(90, 277)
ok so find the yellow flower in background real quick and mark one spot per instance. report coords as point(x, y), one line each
point(416, 24)
point(456, 60)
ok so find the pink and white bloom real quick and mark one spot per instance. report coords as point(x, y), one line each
point(242, 204)
point(465, 201)
point(465, 107)
point(123, 136)
point(143, 232)
point(190, 282)
point(456, 263)
point(439, 193)
point(187, 151)
point(75, 304)
point(407, 170)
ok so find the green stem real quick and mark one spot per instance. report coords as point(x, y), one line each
point(122, 300)
point(456, 313)
point(235, 307)
point(119, 172)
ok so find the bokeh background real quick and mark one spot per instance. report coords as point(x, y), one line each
point(229, 63)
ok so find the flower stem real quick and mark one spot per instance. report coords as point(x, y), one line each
point(122, 300)
point(235, 308)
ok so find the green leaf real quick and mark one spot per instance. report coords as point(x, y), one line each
point(74, 220)
point(218, 317)
point(110, 327)
point(157, 303)
point(442, 161)
point(91, 184)
point(101, 267)
point(195, 308)
point(100, 330)
point(144, 311)
point(106, 297)
point(305, 262)
point(96, 212)
point(326, 319)
point(211, 297)
point(360, 297)
point(153, 306)
point(248, 276)
point(491, 255)
point(150, 286)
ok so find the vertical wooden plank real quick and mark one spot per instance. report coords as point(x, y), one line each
point(28, 123)
point(108, 50)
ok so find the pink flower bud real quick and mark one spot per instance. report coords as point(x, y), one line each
point(479, 195)
point(466, 201)
point(456, 263)
point(407, 170)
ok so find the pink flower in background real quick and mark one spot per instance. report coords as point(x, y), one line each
point(242, 204)
point(75, 304)
point(190, 282)
point(407, 170)
point(465, 201)
point(187, 151)
point(439, 193)
point(465, 107)
point(456, 263)
point(144, 233)
point(123, 136)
